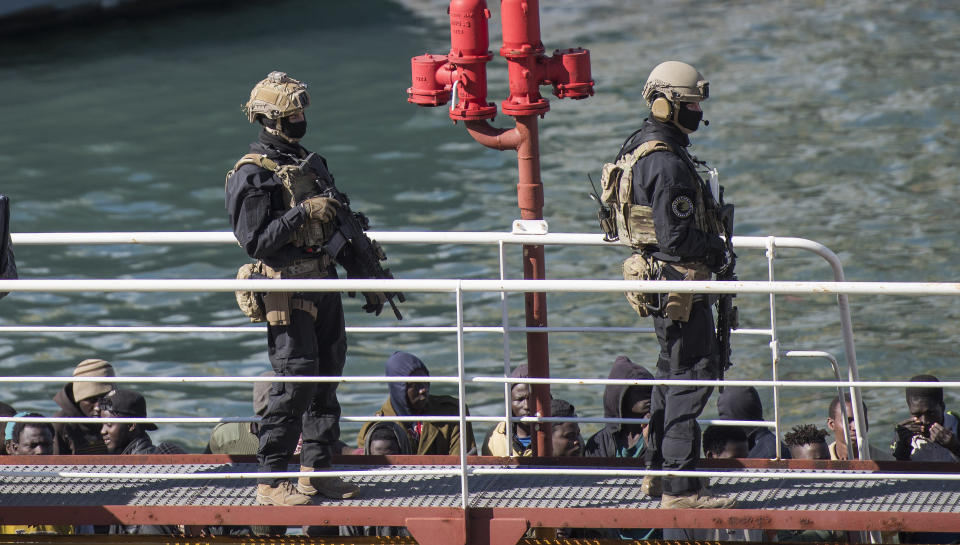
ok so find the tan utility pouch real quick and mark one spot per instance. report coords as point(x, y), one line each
point(280, 304)
point(637, 267)
point(679, 304)
point(250, 303)
point(277, 307)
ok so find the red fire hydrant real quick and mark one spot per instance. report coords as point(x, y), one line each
point(462, 76)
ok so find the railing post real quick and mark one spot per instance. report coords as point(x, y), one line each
point(771, 254)
point(505, 323)
point(462, 396)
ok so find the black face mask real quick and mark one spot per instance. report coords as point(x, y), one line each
point(294, 130)
point(689, 119)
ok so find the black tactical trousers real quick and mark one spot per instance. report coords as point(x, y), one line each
point(688, 351)
point(305, 347)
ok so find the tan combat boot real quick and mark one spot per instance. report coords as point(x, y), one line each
point(698, 500)
point(334, 488)
point(282, 494)
point(652, 485)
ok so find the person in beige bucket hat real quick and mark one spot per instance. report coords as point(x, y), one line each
point(79, 399)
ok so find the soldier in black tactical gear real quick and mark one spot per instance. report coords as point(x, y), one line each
point(280, 220)
point(669, 214)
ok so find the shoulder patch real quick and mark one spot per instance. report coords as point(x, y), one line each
point(681, 206)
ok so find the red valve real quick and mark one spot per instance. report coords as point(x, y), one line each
point(529, 68)
point(426, 90)
point(469, 34)
point(461, 75)
point(569, 71)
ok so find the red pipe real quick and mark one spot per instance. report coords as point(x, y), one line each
point(525, 139)
point(464, 77)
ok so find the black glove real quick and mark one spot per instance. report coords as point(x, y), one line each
point(719, 259)
point(375, 302)
point(729, 263)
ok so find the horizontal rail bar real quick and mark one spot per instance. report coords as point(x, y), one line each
point(492, 379)
point(598, 472)
point(350, 329)
point(768, 383)
point(440, 285)
point(225, 476)
point(397, 237)
point(366, 418)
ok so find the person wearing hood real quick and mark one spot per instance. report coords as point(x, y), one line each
point(387, 439)
point(628, 439)
point(743, 403)
point(495, 443)
point(414, 399)
point(79, 400)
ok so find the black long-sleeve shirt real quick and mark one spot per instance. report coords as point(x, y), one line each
point(261, 220)
point(664, 180)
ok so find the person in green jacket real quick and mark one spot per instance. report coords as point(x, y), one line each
point(414, 399)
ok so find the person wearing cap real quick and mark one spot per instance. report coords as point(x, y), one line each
point(28, 438)
point(125, 438)
point(5, 410)
point(79, 400)
point(33, 439)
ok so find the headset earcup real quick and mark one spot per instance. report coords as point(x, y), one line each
point(662, 110)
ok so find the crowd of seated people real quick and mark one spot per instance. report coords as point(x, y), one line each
point(929, 434)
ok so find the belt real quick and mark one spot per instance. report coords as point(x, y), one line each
point(305, 268)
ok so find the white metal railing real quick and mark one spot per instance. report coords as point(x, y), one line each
point(458, 287)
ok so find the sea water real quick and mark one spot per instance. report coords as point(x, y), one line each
point(832, 122)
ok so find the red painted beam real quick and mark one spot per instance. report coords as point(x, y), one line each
point(228, 515)
point(726, 518)
point(323, 515)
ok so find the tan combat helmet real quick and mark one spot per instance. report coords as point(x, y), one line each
point(671, 83)
point(277, 96)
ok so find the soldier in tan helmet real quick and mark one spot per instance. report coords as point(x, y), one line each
point(670, 216)
point(283, 223)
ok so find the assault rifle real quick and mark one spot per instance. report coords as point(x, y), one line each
point(728, 316)
point(364, 255)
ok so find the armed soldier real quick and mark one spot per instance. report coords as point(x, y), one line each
point(282, 219)
point(661, 206)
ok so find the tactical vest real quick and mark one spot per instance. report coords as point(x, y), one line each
point(635, 221)
point(296, 187)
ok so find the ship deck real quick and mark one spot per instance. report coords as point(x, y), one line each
point(501, 506)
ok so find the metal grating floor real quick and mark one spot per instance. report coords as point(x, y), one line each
point(501, 491)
